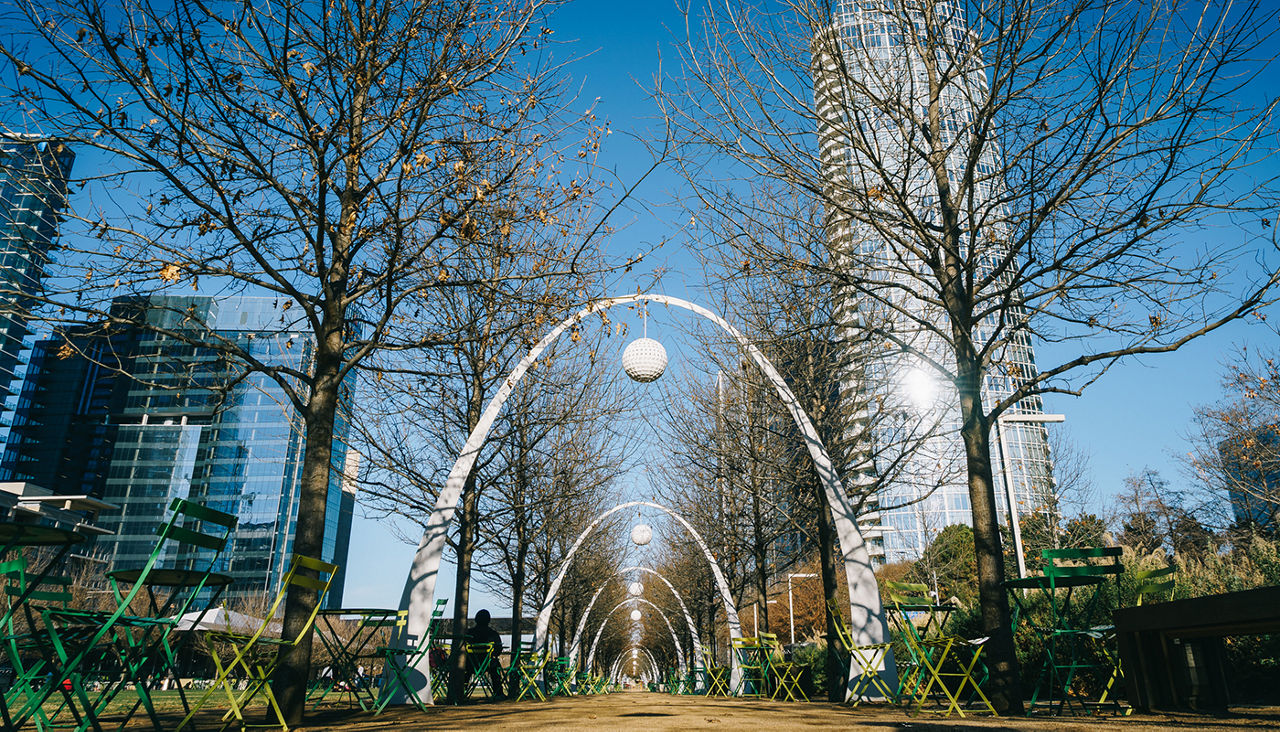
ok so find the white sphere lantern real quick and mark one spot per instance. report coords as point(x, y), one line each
point(635, 615)
point(636, 588)
point(644, 360)
point(641, 534)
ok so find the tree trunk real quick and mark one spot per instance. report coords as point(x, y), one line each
point(761, 553)
point(462, 590)
point(517, 599)
point(289, 680)
point(836, 672)
point(517, 578)
point(1002, 660)
point(561, 624)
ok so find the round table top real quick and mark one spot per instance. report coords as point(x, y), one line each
point(923, 606)
point(34, 535)
point(1041, 582)
point(361, 611)
point(171, 577)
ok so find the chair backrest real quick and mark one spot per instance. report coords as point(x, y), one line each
point(915, 614)
point(745, 648)
point(842, 630)
point(52, 590)
point(296, 577)
point(14, 575)
point(1093, 561)
point(908, 593)
point(1153, 582)
point(436, 624)
point(194, 538)
point(770, 642)
point(197, 525)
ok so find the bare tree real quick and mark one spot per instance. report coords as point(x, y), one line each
point(563, 458)
point(789, 313)
point(337, 156)
point(995, 171)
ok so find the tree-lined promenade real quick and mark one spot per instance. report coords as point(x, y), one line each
point(847, 475)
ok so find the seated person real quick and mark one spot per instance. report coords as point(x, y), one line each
point(482, 633)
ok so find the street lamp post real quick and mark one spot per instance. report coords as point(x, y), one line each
point(755, 616)
point(791, 602)
point(1014, 518)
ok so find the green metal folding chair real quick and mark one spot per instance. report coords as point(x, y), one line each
point(1076, 624)
point(22, 645)
point(399, 663)
point(697, 676)
point(559, 676)
point(256, 655)
point(751, 664)
point(123, 648)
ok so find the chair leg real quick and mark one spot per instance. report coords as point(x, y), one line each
point(934, 668)
point(968, 678)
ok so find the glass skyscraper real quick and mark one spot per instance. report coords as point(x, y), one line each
point(868, 79)
point(138, 418)
point(33, 187)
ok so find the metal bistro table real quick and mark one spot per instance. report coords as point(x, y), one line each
point(147, 653)
point(22, 536)
point(16, 537)
point(347, 651)
point(1067, 629)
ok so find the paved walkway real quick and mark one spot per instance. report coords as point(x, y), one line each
point(646, 711)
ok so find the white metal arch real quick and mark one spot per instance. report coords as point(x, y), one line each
point(622, 657)
point(544, 616)
point(675, 639)
point(866, 614)
point(653, 662)
point(688, 619)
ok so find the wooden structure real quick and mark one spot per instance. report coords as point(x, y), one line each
point(1172, 652)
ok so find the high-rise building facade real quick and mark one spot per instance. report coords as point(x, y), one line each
point(869, 84)
point(33, 188)
point(137, 418)
point(1251, 471)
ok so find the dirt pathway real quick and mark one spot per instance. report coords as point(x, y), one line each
point(647, 711)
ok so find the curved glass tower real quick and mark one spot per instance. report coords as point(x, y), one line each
point(891, 136)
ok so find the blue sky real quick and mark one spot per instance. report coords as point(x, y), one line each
point(1135, 417)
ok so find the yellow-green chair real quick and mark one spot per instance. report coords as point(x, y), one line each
point(785, 675)
point(941, 660)
point(256, 655)
point(717, 677)
point(870, 660)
